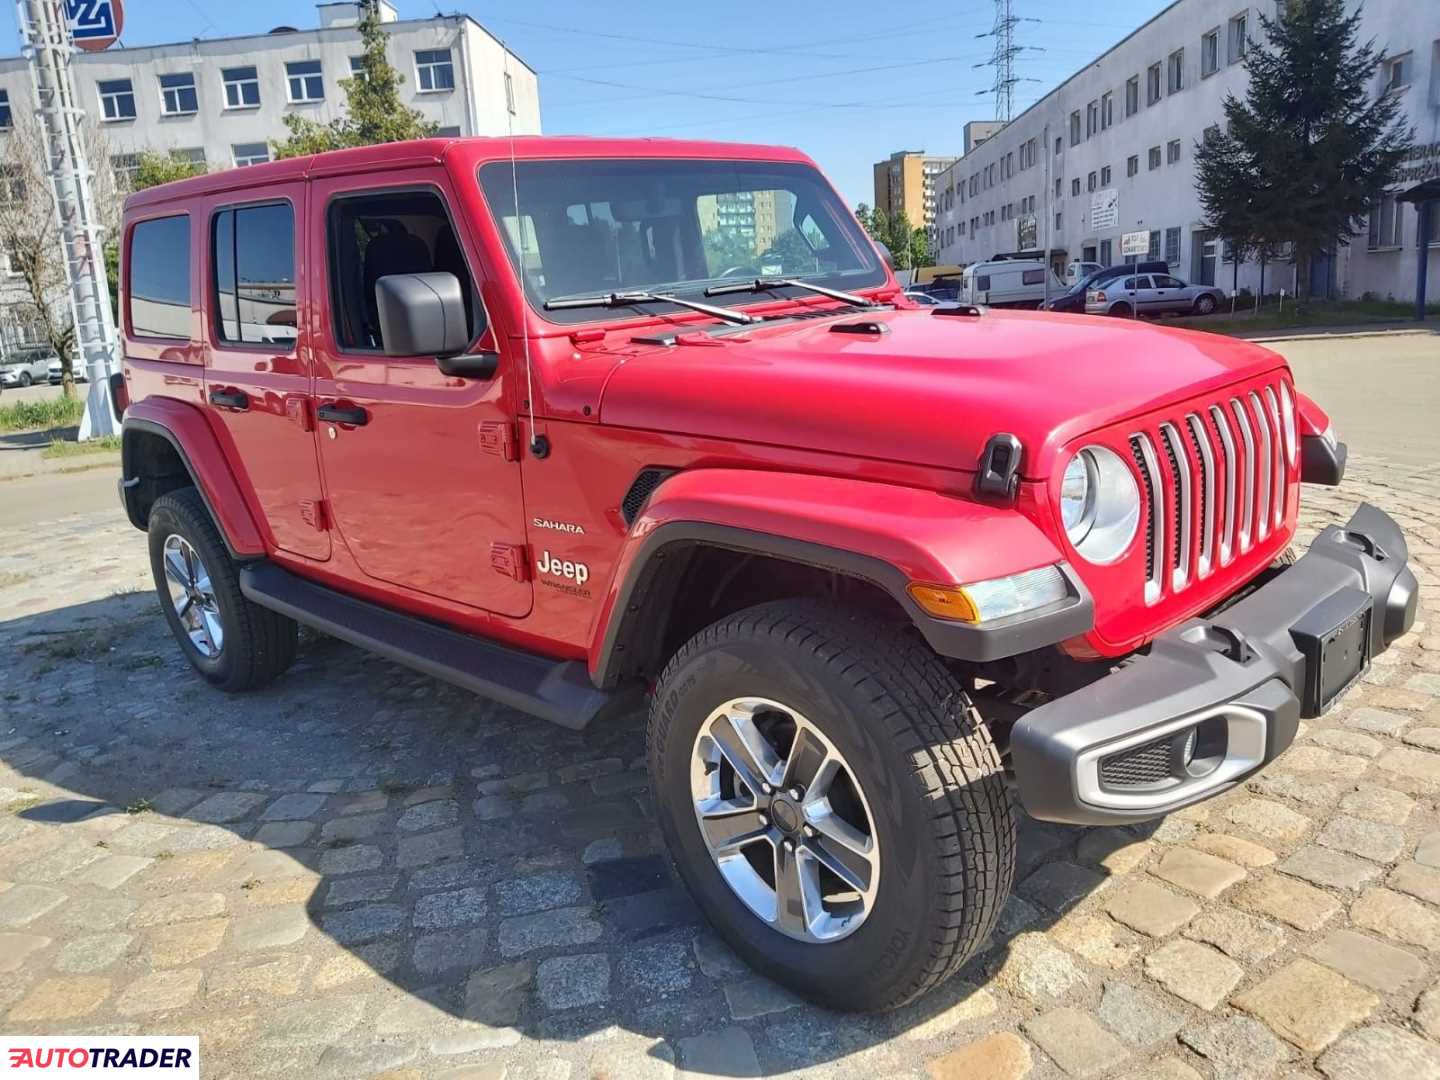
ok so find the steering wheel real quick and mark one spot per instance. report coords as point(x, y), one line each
point(735, 271)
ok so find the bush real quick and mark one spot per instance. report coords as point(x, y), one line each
point(51, 413)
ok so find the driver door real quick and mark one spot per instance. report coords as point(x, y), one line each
point(418, 482)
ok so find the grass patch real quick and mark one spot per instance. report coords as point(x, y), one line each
point(1319, 314)
point(139, 806)
point(49, 413)
point(14, 577)
point(64, 448)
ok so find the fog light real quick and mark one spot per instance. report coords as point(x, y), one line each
point(1200, 750)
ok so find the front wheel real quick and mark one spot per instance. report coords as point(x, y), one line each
point(832, 801)
point(25, 379)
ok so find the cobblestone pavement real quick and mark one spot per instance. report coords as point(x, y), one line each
point(362, 872)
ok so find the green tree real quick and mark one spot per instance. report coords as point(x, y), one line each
point(1309, 147)
point(374, 112)
point(866, 217)
point(154, 168)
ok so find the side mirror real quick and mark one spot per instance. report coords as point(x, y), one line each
point(885, 254)
point(421, 314)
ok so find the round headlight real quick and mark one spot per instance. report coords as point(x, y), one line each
point(1099, 504)
point(1077, 498)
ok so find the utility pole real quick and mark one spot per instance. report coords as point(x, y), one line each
point(48, 47)
point(1002, 58)
point(1045, 149)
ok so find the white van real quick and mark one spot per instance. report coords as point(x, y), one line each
point(1008, 283)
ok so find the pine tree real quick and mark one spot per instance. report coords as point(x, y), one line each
point(1309, 147)
point(374, 112)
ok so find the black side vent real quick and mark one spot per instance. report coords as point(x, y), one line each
point(969, 310)
point(644, 485)
point(867, 326)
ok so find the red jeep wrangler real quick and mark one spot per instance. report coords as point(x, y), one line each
point(562, 419)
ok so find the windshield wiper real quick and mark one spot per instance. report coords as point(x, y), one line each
point(766, 284)
point(630, 299)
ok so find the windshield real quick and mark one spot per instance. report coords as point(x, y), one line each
point(598, 227)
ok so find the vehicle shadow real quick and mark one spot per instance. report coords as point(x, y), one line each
point(386, 858)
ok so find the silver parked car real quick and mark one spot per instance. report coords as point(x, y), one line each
point(25, 365)
point(56, 374)
point(1152, 294)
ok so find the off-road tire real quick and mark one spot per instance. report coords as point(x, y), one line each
point(259, 644)
point(931, 774)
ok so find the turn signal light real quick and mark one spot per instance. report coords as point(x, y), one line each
point(944, 602)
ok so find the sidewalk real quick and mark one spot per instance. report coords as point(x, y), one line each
point(21, 454)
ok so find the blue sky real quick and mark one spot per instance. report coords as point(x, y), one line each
point(831, 78)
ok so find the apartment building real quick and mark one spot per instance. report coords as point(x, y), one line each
point(1110, 152)
point(905, 184)
point(221, 101)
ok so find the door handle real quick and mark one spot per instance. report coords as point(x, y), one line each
point(230, 399)
point(353, 415)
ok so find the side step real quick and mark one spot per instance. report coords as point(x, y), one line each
point(556, 690)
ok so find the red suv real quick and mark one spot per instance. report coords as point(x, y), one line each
point(573, 421)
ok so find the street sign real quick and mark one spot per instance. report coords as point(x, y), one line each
point(1135, 243)
point(1105, 209)
point(95, 24)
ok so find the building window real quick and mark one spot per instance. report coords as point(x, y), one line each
point(1059, 220)
point(1107, 110)
point(1075, 128)
point(1106, 252)
point(1075, 186)
point(1059, 189)
point(1387, 219)
point(1210, 134)
point(124, 166)
point(1092, 118)
point(5, 118)
point(1153, 251)
point(1396, 73)
point(250, 153)
point(242, 87)
point(357, 67)
point(1172, 151)
point(1105, 176)
point(304, 81)
point(1090, 184)
point(1176, 81)
point(158, 283)
point(177, 94)
point(1154, 157)
point(193, 154)
point(1132, 165)
point(1210, 53)
point(1152, 84)
point(433, 70)
point(1239, 38)
point(509, 94)
point(1172, 246)
point(1132, 95)
point(1058, 144)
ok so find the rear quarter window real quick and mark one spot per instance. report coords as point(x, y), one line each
point(158, 278)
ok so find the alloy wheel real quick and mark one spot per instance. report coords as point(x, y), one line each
point(192, 596)
point(785, 820)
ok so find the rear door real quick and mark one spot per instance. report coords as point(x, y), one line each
point(258, 383)
point(421, 469)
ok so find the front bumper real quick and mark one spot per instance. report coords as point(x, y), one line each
point(1216, 699)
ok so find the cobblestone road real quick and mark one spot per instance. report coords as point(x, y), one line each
point(362, 872)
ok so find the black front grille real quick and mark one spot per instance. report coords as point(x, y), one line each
point(1144, 472)
point(640, 491)
point(1140, 766)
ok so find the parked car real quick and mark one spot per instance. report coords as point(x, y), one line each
point(872, 567)
point(1076, 272)
point(1151, 294)
point(1073, 298)
point(1008, 283)
point(26, 365)
point(56, 374)
point(920, 296)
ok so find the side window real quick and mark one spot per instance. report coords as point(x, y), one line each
point(1163, 282)
point(1033, 277)
point(253, 274)
point(158, 278)
point(396, 232)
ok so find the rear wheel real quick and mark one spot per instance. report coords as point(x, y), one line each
point(1204, 305)
point(832, 801)
point(1122, 311)
point(235, 644)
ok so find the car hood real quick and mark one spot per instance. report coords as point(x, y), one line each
point(929, 389)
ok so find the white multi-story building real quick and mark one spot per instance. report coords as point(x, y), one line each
point(1110, 152)
point(221, 101)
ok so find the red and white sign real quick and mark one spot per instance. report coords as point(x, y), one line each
point(170, 1057)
